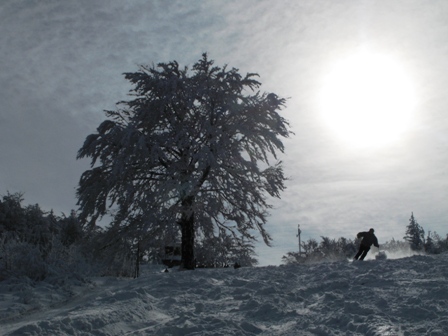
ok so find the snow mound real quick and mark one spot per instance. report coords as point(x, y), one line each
point(406, 296)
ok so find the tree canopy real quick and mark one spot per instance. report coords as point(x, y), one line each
point(191, 148)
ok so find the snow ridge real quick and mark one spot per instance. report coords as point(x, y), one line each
point(406, 296)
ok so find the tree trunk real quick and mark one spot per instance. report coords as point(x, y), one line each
point(187, 225)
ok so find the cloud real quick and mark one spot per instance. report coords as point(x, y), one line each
point(62, 65)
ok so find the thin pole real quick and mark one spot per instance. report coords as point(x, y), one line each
point(298, 235)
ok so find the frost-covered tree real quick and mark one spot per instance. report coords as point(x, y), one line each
point(191, 148)
point(310, 246)
point(395, 246)
point(12, 214)
point(415, 234)
point(29, 224)
point(435, 244)
point(70, 229)
point(443, 243)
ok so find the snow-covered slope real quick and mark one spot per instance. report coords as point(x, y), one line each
point(407, 296)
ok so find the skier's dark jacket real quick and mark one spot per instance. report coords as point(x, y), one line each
point(368, 238)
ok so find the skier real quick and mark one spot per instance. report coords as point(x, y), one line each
point(368, 238)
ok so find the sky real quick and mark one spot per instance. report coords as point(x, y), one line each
point(62, 63)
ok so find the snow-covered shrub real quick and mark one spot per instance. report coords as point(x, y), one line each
point(69, 260)
point(327, 250)
point(111, 254)
point(223, 251)
point(21, 259)
point(381, 256)
point(112, 261)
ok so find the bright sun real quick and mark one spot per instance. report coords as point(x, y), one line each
point(367, 99)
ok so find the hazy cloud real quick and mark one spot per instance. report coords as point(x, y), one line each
point(62, 65)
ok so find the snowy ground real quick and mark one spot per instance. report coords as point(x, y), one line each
point(407, 296)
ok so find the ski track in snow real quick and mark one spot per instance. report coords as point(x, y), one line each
point(406, 296)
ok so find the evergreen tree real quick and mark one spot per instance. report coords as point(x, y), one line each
point(187, 150)
point(12, 215)
point(435, 244)
point(443, 243)
point(70, 229)
point(430, 244)
point(415, 234)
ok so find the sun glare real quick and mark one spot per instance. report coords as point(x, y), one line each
point(367, 100)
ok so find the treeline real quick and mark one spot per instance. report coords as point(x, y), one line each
point(39, 244)
point(329, 249)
